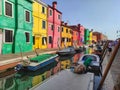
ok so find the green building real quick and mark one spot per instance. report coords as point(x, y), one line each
point(15, 26)
point(86, 36)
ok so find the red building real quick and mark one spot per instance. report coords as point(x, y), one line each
point(54, 25)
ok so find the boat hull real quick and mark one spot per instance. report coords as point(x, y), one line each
point(34, 68)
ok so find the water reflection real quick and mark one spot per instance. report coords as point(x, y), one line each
point(23, 80)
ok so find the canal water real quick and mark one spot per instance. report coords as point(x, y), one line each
point(24, 80)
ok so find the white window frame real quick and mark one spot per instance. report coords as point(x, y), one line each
point(58, 28)
point(0, 7)
point(58, 16)
point(12, 9)
point(42, 24)
point(4, 35)
point(25, 15)
point(26, 38)
point(44, 9)
point(51, 12)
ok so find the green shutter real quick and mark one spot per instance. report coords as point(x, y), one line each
point(0, 7)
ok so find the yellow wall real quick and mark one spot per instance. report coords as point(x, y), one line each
point(66, 35)
point(91, 37)
point(38, 31)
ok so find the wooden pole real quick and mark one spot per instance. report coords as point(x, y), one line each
point(36, 53)
point(109, 65)
point(105, 46)
point(21, 51)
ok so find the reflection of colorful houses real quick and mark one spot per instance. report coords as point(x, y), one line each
point(38, 79)
point(76, 58)
point(54, 25)
point(56, 69)
point(65, 64)
point(66, 35)
point(16, 26)
point(86, 36)
point(39, 25)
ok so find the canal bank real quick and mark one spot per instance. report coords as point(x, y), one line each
point(11, 60)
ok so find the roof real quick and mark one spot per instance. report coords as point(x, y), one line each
point(55, 9)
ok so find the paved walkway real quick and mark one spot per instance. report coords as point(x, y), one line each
point(114, 72)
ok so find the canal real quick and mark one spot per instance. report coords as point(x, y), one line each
point(24, 80)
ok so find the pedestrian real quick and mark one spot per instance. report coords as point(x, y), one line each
point(109, 48)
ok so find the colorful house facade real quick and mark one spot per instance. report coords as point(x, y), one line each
point(16, 26)
point(91, 36)
point(54, 26)
point(75, 35)
point(86, 36)
point(66, 35)
point(39, 25)
point(81, 35)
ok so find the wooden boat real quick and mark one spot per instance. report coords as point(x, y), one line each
point(67, 51)
point(67, 80)
point(37, 62)
point(80, 49)
point(95, 63)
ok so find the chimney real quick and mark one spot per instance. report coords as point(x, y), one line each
point(54, 4)
point(65, 24)
point(79, 25)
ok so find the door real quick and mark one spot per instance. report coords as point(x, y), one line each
point(0, 41)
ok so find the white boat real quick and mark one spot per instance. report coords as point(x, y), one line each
point(67, 51)
point(94, 64)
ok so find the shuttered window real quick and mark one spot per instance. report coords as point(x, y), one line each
point(43, 24)
point(8, 36)
point(50, 39)
point(27, 35)
point(27, 16)
point(8, 9)
point(0, 7)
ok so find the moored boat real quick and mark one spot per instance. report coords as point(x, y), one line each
point(67, 51)
point(38, 62)
point(94, 64)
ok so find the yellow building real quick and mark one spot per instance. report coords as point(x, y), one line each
point(66, 36)
point(91, 38)
point(39, 25)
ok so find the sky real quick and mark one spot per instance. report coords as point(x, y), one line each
point(100, 15)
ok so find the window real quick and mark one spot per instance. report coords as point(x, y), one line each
point(27, 16)
point(43, 9)
point(66, 30)
point(8, 9)
point(50, 12)
point(58, 29)
point(62, 29)
point(33, 40)
point(59, 17)
point(8, 36)
point(52, 27)
point(43, 24)
point(44, 40)
point(50, 39)
point(27, 35)
point(0, 7)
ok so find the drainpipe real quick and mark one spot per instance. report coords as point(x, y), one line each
point(16, 25)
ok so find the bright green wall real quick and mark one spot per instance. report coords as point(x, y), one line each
point(86, 36)
point(23, 26)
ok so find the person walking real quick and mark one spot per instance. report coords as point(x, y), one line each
point(109, 48)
